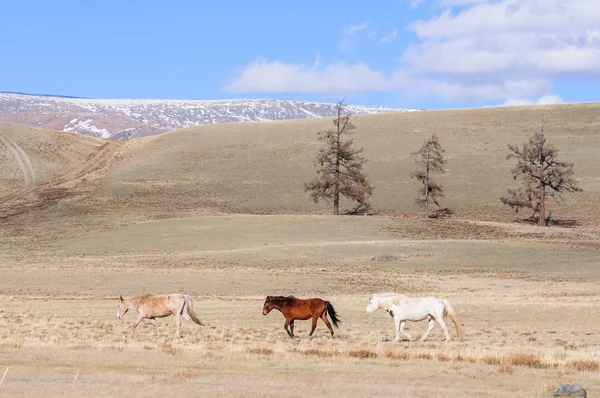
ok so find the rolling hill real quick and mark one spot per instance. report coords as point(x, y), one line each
point(82, 183)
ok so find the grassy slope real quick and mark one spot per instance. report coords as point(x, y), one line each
point(50, 196)
point(51, 153)
point(261, 167)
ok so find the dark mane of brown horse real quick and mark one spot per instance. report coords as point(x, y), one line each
point(270, 298)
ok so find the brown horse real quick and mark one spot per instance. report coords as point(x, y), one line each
point(152, 306)
point(293, 308)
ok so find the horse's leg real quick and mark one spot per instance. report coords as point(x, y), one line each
point(429, 327)
point(177, 326)
point(443, 325)
point(292, 327)
point(289, 322)
point(314, 325)
point(137, 322)
point(397, 328)
point(324, 318)
point(407, 335)
point(186, 316)
point(177, 315)
point(155, 325)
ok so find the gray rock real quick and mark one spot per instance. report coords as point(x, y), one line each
point(384, 257)
point(569, 390)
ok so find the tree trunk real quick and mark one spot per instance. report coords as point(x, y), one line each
point(543, 222)
point(427, 190)
point(427, 199)
point(542, 209)
point(336, 192)
point(336, 204)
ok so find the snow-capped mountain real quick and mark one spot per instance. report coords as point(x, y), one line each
point(129, 118)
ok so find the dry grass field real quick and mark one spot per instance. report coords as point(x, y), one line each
point(219, 212)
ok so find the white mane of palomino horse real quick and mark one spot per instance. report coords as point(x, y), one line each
point(403, 308)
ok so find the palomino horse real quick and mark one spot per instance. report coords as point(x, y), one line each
point(293, 308)
point(152, 306)
point(403, 308)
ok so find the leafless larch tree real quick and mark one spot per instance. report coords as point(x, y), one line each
point(340, 165)
point(430, 158)
point(542, 175)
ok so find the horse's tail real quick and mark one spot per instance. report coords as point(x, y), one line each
point(332, 314)
point(188, 306)
point(450, 311)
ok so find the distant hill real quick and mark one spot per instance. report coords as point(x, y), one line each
point(130, 118)
point(38, 95)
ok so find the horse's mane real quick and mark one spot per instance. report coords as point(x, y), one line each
point(389, 298)
point(281, 297)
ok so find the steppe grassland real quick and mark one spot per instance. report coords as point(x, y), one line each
point(166, 213)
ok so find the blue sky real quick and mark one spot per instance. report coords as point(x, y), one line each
point(404, 53)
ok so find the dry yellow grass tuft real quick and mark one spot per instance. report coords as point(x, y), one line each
point(491, 359)
point(584, 365)
point(188, 374)
point(81, 346)
point(401, 355)
point(259, 350)
point(362, 353)
point(530, 360)
point(15, 345)
point(168, 348)
point(526, 359)
point(321, 352)
point(506, 369)
point(422, 355)
point(443, 357)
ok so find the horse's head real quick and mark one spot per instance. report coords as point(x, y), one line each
point(268, 306)
point(373, 305)
point(121, 308)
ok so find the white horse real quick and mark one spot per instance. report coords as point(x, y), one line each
point(403, 308)
point(152, 306)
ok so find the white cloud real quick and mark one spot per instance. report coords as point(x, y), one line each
point(548, 37)
point(392, 36)
point(475, 50)
point(341, 78)
point(278, 77)
point(517, 102)
point(459, 3)
point(349, 31)
point(445, 3)
point(497, 43)
point(352, 30)
point(548, 99)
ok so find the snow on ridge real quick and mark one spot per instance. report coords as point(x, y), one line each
point(86, 126)
point(130, 102)
point(128, 118)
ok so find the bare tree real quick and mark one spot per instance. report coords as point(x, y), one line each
point(542, 176)
point(340, 166)
point(430, 158)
